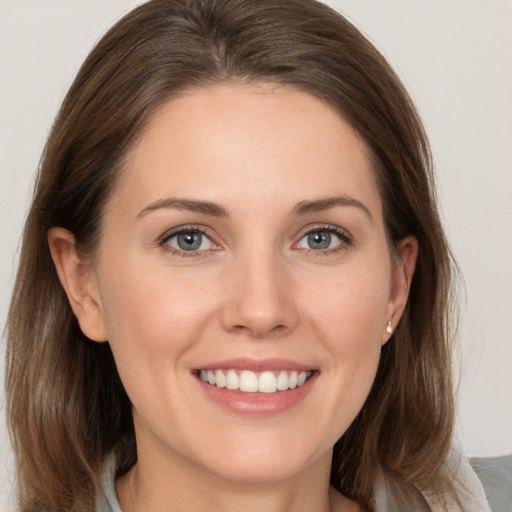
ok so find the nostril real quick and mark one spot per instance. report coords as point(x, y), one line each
point(259, 331)
point(259, 311)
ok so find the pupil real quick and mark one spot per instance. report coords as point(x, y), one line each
point(189, 241)
point(319, 240)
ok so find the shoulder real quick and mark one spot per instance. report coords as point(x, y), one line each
point(465, 495)
point(468, 487)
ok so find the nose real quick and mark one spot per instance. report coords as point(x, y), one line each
point(260, 300)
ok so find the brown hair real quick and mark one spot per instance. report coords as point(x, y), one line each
point(67, 407)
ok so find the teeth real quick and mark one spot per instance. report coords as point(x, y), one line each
point(301, 378)
point(232, 380)
point(250, 382)
point(282, 381)
point(267, 383)
point(220, 379)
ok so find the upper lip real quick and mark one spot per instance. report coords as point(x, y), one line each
point(256, 365)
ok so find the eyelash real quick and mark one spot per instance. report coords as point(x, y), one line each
point(163, 241)
point(346, 240)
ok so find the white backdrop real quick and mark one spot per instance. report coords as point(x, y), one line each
point(455, 57)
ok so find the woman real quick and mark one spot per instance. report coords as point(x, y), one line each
point(234, 289)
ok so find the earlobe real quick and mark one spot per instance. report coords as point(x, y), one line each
point(79, 283)
point(401, 282)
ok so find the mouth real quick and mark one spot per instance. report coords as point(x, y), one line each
point(247, 381)
point(257, 388)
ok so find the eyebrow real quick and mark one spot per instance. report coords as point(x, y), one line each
point(215, 210)
point(305, 207)
point(193, 205)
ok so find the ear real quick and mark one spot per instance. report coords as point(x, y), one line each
point(402, 275)
point(79, 282)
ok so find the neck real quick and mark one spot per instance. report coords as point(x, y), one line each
point(160, 483)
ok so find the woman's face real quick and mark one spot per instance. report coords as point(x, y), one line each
point(245, 244)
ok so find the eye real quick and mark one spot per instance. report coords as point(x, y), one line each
point(189, 240)
point(324, 239)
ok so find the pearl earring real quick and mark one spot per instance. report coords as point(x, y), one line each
point(389, 329)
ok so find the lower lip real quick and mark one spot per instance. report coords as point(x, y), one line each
point(257, 404)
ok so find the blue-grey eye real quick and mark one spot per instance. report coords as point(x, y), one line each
point(190, 241)
point(320, 240)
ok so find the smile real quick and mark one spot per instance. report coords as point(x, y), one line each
point(248, 381)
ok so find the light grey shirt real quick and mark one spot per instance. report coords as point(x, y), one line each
point(108, 501)
point(476, 501)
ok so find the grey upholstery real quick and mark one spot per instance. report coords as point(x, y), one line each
point(495, 473)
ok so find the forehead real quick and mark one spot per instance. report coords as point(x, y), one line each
point(258, 140)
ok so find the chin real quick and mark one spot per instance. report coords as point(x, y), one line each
point(261, 471)
point(264, 461)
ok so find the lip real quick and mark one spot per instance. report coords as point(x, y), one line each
point(257, 405)
point(256, 365)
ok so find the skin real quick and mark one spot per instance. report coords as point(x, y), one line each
point(255, 288)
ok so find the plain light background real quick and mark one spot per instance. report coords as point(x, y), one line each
point(455, 58)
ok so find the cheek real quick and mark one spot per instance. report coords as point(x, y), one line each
point(352, 311)
point(153, 321)
point(350, 322)
point(149, 312)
